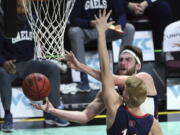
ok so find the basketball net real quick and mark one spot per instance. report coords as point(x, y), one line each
point(48, 19)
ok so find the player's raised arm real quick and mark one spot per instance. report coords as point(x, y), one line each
point(110, 97)
point(74, 63)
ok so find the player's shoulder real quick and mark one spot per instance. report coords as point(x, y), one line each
point(143, 74)
point(156, 129)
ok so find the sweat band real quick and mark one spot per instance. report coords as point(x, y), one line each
point(133, 54)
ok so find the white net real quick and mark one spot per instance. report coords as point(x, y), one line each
point(48, 19)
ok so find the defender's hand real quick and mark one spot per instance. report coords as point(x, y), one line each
point(101, 21)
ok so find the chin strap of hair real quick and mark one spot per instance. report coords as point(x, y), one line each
point(133, 54)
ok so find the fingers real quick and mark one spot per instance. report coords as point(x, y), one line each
point(109, 13)
point(48, 106)
point(67, 56)
point(69, 53)
point(72, 54)
point(104, 12)
point(46, 99)
point(45, 107)
point(13, 60)
point(111, 23)
point(37, 106)
point(69, 64)
point(10, 66)
point(66, 52)
point(95, 17)
point(100, 14)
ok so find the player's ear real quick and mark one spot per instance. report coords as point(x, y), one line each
point(138, 67)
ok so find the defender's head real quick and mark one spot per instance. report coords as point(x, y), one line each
point(130, 60)
point(135, 91)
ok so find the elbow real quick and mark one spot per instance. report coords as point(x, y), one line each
point(84, 120)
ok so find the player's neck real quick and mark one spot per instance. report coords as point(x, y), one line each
point(135, 111)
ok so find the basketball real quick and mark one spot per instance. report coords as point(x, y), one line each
point(36, 86)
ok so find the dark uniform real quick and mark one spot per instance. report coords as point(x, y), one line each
point(127, 123)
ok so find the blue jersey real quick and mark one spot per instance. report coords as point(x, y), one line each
point(128, 124)
point(20, 47)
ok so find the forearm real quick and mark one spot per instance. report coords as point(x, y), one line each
point(103, 54)
point(107, 81)
point(89, 70)
point(109, 95)
point(74, 116)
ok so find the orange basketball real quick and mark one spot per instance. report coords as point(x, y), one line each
point(36, 86)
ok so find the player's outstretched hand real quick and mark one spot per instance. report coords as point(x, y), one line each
point(47, 107)
point(71, 60)
point(101, 21)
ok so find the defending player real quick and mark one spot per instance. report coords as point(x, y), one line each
point(122, 118)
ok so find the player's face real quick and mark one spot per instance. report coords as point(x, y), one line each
point(127, 64)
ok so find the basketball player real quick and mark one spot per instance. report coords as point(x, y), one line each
point(127, 118)
point(123, 113)
point(16, 61)
point(130, 63)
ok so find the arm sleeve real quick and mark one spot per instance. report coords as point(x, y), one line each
point(76, 16)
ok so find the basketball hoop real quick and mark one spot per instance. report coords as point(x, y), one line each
point(48, 19)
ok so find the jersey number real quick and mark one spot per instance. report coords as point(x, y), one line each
point(124, 132)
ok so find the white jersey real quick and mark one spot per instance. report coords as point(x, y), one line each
point(171, 41)
point(150, 106)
